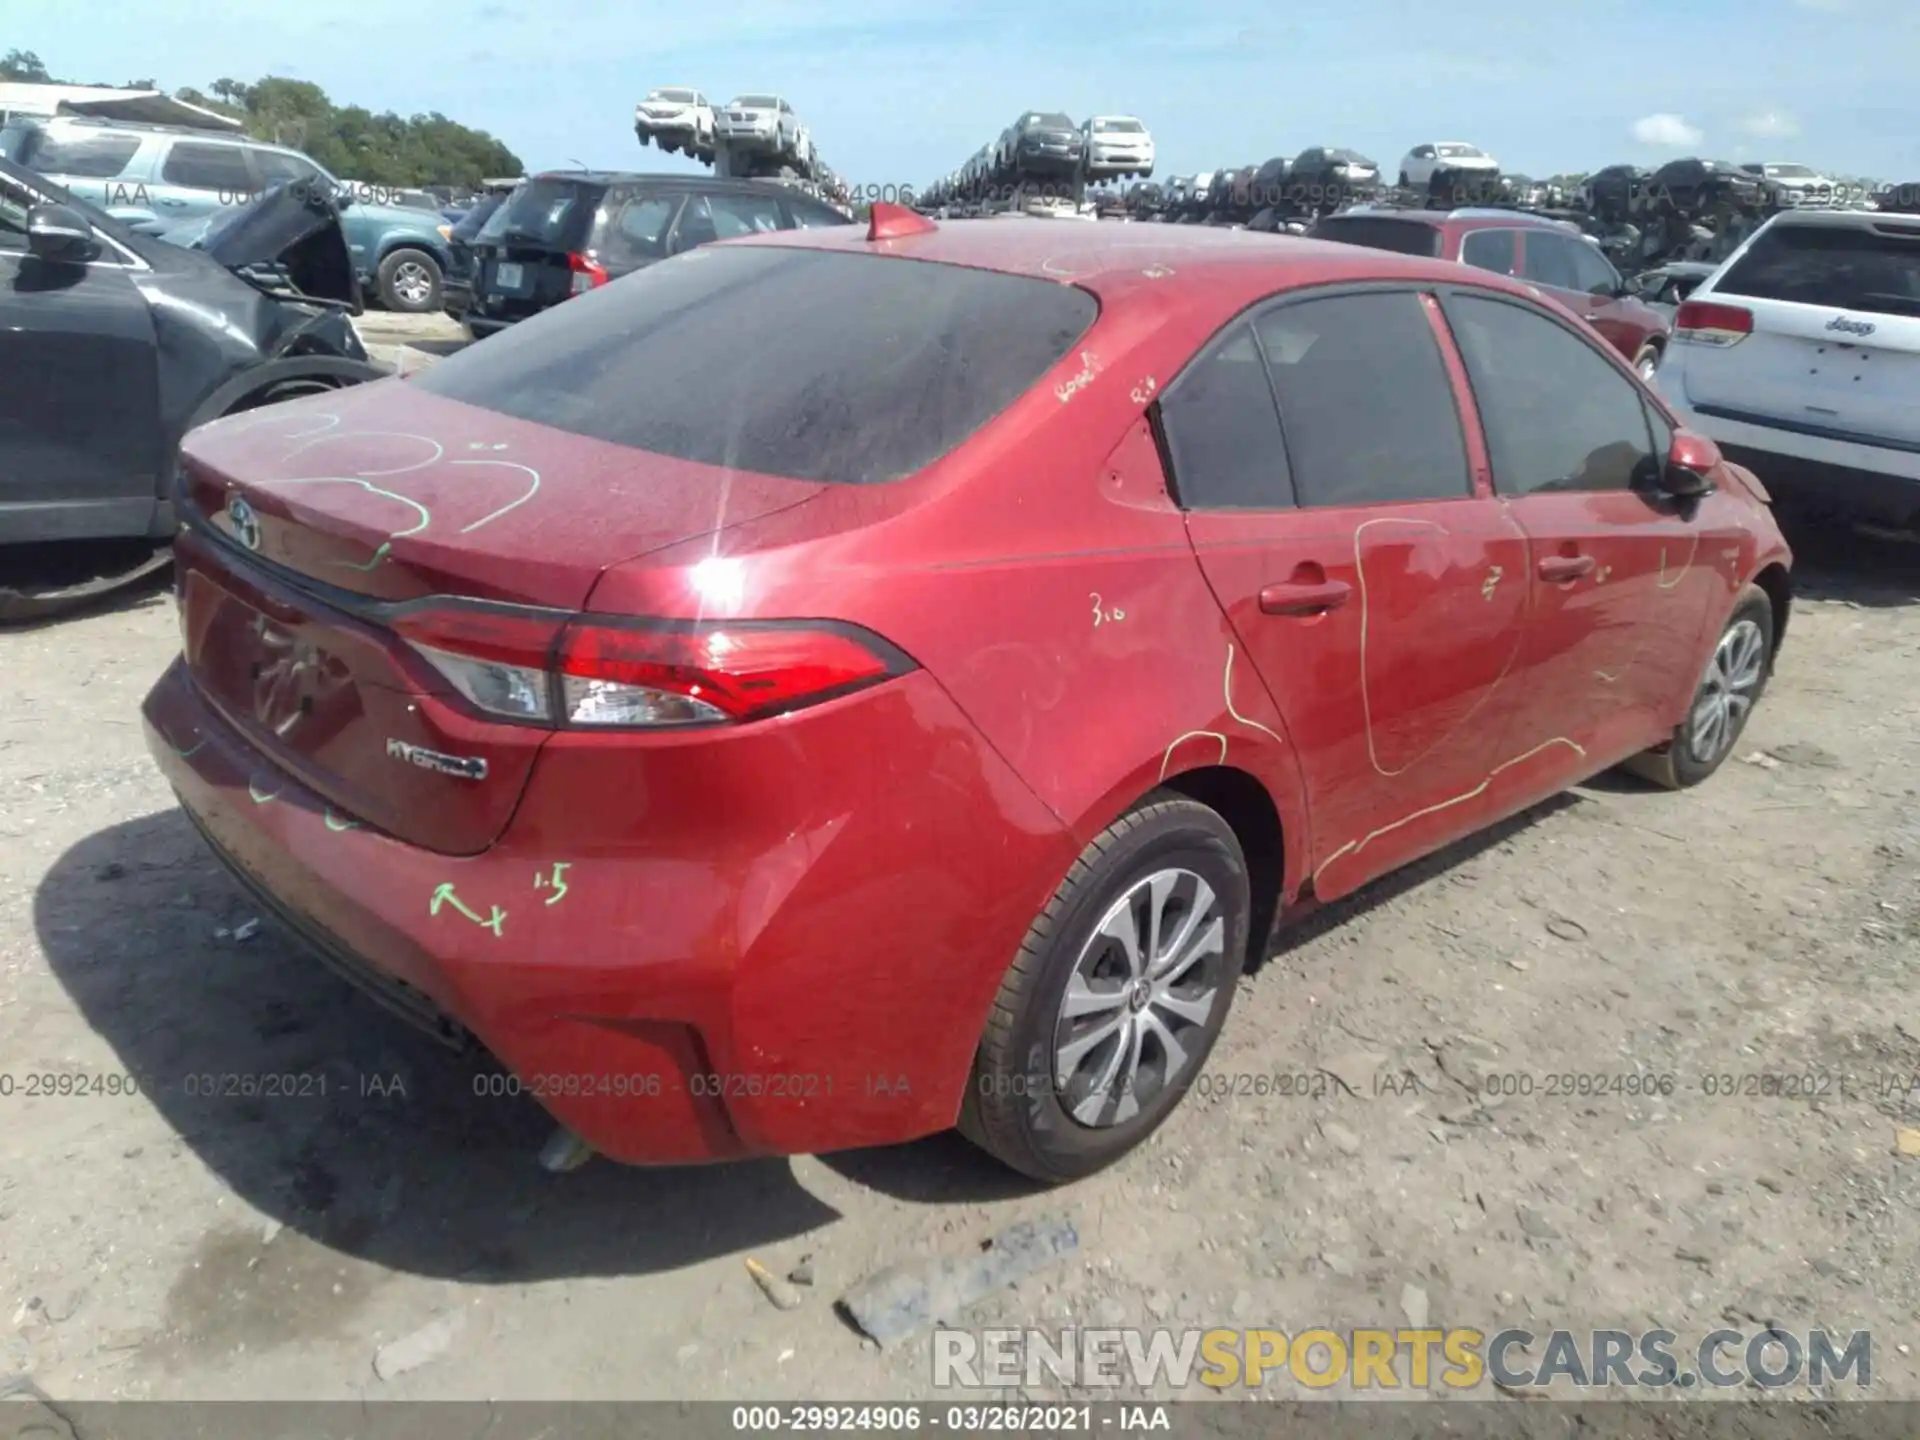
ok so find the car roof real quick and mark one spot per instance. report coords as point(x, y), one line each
point(663, 179)
point(1182, 263)
point(1905, 225)
point(1466, 218)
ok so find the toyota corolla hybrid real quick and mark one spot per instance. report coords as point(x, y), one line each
point(837, 685)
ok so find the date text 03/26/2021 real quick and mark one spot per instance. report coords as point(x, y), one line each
point(970, 1419)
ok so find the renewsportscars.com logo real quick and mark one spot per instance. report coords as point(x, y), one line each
point(1361, 1359)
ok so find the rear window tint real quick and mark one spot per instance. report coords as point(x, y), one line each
point(1403, 237)
point(546, 211)
point(817, 366)
point(1839, 267)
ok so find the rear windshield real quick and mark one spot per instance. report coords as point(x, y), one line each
point(1403, 237)
point(808, 364)
point(1840, 267)
point(1119, 127)
point(1055, 119)
point(759, 102)
point(549, 210)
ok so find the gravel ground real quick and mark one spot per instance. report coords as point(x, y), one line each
point(171, 1244)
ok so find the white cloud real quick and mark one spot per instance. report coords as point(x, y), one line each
point(1771, 125)
point(1669, 131)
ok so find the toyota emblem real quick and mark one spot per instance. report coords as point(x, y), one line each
point(246, 524)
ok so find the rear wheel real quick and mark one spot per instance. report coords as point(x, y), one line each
point(1646, 360)
point(410, 282)
point(1735, 678)
point(1117, 995)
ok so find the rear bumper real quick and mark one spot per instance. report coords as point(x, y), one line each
point(784, 941)
point(1867, 482)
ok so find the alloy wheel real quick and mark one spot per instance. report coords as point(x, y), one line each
point(1142, 991)
point(412, 283)
point(1727, 693)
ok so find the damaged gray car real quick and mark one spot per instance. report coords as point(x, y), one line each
point(115, 344)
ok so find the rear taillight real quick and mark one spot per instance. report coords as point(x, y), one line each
point(597, 672)
point(1702, 322)
point(586, 274)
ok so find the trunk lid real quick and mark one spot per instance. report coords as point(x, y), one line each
point(341, 507)
point(388, 492)
point(1836, 331)
point(328, 697)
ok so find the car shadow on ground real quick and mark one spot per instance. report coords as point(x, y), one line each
point(373, 1141)
point(339, 1122)
point(1335, 913)
point(1854, 566)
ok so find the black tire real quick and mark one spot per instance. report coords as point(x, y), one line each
point(1646, 360)
point(1405, 183)
point(400, 267)
point(1013, 1108)
point(1680, 763)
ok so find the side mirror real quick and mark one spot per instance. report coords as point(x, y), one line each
point(1691, 461)
point(60, 235)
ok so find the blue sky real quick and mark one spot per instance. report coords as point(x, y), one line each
point(900, 91)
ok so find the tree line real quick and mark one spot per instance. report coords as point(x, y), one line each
point(349, 140)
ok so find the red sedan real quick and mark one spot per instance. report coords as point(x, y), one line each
point(836, 685)
point(1552, 254)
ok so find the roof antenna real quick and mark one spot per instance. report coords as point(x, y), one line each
point(891, 222)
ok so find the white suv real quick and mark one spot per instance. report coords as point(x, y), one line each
point(1800, 358)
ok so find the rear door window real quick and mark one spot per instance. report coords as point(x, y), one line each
point(195, 166)
point(1491, 250)
point(1838, 267)
point(636, 226)
point(1591, 270)
point(1365, 401)
point(276, 167)
point(80, 156)
point(1549, 260)
point(736, 215)
point(808, 216)
point(1403, 237)
point(809, 364)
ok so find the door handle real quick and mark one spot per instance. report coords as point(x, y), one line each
point(1304, 598)
point(1562, 568)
